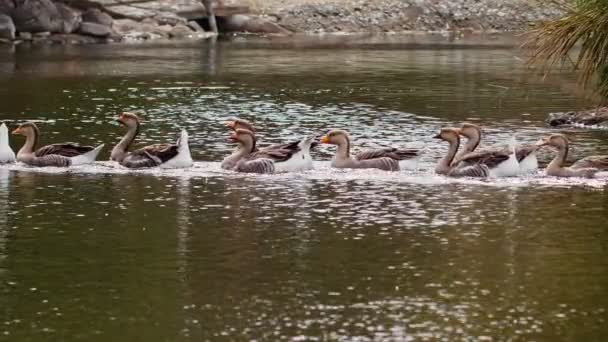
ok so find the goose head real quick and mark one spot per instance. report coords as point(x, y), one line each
point(448, 134)
point(28, 129)
point(245, 138)
point(240, 123)
point(128, 119)
point(558, 141)
point(336, 137)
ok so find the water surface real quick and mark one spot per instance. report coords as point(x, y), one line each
point(105, 254)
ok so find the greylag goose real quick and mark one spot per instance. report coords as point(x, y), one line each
point(162, 155)
point(388, 159)
point(304, 145)
point(295, 157)
point(66, 154)
point(525, 154)
point(556, 166)
point(6, 152)
point(472, 165)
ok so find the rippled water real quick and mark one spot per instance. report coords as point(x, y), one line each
point(104, 254)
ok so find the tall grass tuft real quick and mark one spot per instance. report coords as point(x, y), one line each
point(579, 37)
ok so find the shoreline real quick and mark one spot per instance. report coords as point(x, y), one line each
point(58, 23)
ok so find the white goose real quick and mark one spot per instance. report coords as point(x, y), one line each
point(6, 153)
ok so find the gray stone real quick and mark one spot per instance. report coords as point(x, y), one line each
point(6, 6)
point(25, 36)
point(7, 28)
point(168, 18)
point(44, 34)
point(244, 23)
point(37, 16)
point(94, 15)
point(70, 18)
point(181, 31)
point(195, 26)
point(123, 26)
point(95, 30)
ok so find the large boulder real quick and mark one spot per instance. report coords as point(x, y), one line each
point(7, 28)
point(70, 18)
point(6, 6)
point(94, 15)
point(37, 16)
point(95, 29)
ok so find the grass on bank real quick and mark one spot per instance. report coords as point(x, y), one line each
point(579, 38)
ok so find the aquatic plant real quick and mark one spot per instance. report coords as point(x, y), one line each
point(579, 38)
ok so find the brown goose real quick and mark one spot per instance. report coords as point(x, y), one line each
point(66, 154)
point(446, 165)
point(300, 162)
point(288, 159)
point(556, 166)
point(525, 154)
point(163, 155)
point(388, 159)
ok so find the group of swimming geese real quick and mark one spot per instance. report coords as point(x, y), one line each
point(291, 157)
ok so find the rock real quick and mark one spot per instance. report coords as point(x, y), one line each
point(25, 36)
point(7, 28)
point(181, 31)
point(168, 18)
point(44, 34)
point(244, 23)
point(95, 30)
point(195, 26)
point(94, 15)
point(37, 16)
point(6, 6)
point(74, 39)
point(123, 26)
point(70, 18)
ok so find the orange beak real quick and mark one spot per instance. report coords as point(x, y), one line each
point(325, 140)
point(17, 131)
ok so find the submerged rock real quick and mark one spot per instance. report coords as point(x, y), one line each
point(95, 30)
point(7, 28)
point(584, 118)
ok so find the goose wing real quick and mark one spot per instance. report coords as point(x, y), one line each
point(295, 145)
point(261, 165)
point(382, 163)
point(596, 162)
point(523, 151)
point(390, 152)
point(65, 149)
point(489, 158)
point(276, 155)
point(477, 170)
point(150, 156)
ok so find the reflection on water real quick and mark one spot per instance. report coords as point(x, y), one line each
point(103, 253)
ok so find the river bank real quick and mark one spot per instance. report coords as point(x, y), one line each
point(102, 21)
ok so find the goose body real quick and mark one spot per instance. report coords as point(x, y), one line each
point(556, 167)
point(522, 161)
point(291, 158)
point(388, 159)
point(288, 157)
point(167, 155)
point(6, 153)
point(447, 166)
point(61, 155)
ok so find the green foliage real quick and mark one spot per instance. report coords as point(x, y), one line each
point(582, 34)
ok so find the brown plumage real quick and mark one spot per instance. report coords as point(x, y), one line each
point(446, 166)
point(148, 156)
point(556, 167)
point(50, 155)
point(384, 159)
